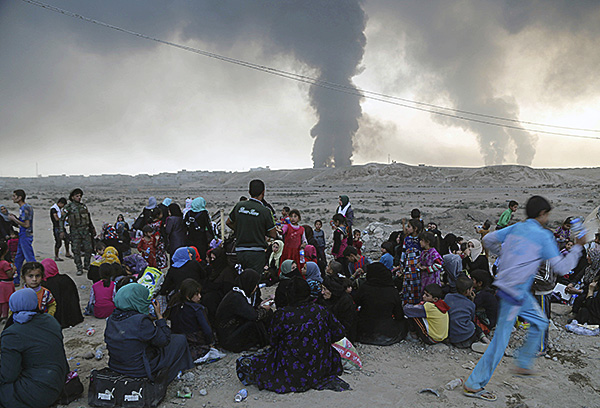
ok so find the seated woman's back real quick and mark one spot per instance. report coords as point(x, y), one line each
point(301, 356)
point(33, 367)
point(64, 290)
point(380, 319)
point(238, 317)
point(183, 268)
point(136, 345)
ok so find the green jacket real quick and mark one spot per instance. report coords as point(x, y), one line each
point(77, 215)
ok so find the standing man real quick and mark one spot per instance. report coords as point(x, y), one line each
point(81, 229)
point(252, 221)
point(55, 214)
point(522, 248)
point(25, 223)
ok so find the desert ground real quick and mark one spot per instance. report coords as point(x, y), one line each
point(457, 199)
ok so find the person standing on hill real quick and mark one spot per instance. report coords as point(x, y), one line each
point(252, 221)
point(81, 229)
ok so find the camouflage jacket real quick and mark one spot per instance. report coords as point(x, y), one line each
point(77, 215)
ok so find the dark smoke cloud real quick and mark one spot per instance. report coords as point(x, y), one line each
point(458, 52)
point(324, 35)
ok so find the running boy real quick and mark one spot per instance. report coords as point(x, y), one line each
point(521, 248)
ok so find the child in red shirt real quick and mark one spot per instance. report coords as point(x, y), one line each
point(147, 245)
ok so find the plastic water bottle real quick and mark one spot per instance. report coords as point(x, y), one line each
point(454, 383)
point(302, 256)
point(99, 354)
point(241, 395)
point(578, 228)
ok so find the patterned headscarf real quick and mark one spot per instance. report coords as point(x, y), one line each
point(591, 272)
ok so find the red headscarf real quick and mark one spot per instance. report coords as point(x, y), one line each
point(50, 268)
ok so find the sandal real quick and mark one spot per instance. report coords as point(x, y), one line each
point(481, 394)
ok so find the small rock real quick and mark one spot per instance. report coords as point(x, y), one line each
point(89, 355)
point(440, 347)
point(554, 358)
point(188, 377)
point(202, 392)
point(547, 356)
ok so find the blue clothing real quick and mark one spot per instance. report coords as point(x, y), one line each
point(387, 260)
point(531, 312)
point(522, 248)
point(462, 315)
point(26, 214)
point(24, 254)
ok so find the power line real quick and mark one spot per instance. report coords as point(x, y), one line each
point(351, 90)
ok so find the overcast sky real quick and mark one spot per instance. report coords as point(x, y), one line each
point(77, 98)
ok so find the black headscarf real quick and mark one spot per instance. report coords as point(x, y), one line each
point(300, 292)
point(247, 281)
point(175, 210)
point(334, 286)
point(379, 275)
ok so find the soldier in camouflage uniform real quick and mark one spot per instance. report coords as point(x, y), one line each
point(81, 229)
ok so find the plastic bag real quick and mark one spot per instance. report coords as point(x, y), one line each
point(350, 358)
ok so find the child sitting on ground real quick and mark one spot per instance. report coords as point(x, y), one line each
point(356, 262)
point(387, 248)
point(33, 273)
point(429, 319)
point(335, 269)
point(189, 317)
point(102, 294)
point(462, 330)
point(486, 303)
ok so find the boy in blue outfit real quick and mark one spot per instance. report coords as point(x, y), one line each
point(522, 247)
